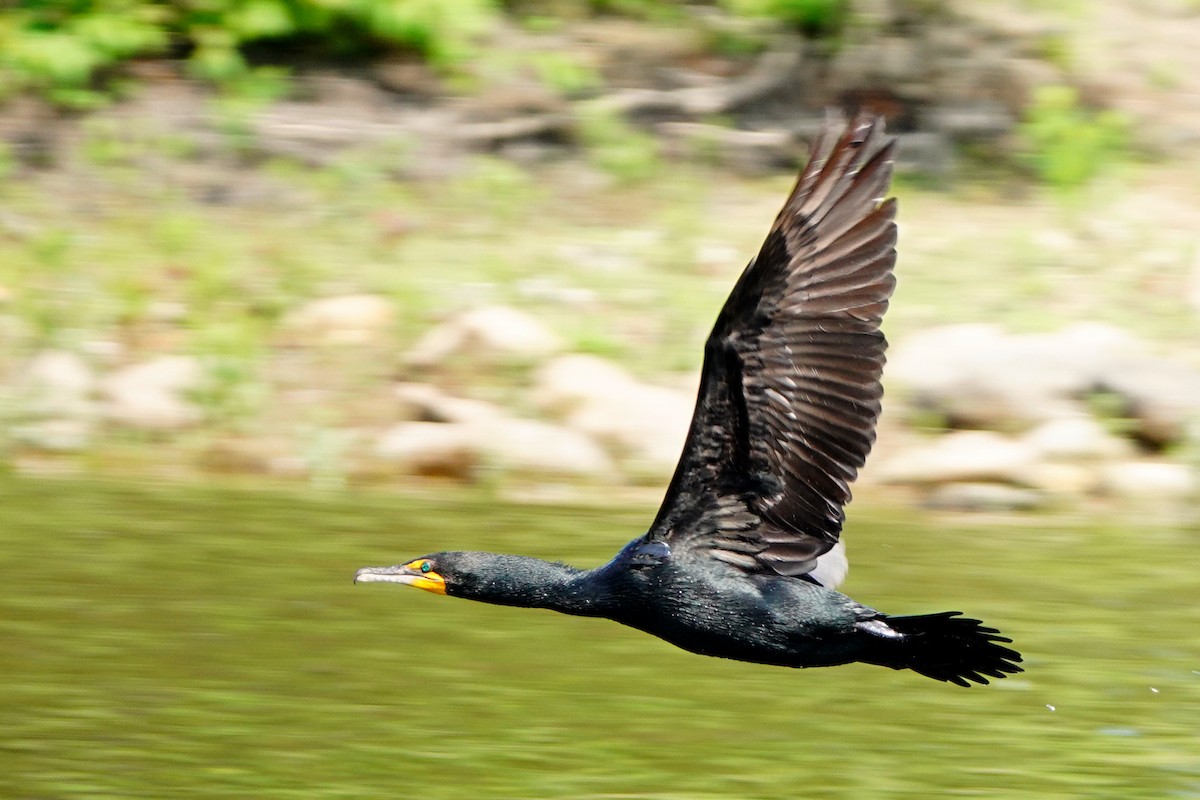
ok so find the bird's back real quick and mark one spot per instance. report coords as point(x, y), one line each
point(712, 608)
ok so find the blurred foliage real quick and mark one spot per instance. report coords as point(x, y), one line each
point(565, 73)
point(544, 12)
point(1067, 145)
point(811, 17)
point(616, 147)
point(57, 46)
point(69, 50)
point(62, 47)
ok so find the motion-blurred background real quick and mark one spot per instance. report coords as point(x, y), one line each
point(289, 287)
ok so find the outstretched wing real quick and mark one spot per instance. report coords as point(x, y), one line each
point(790, 391)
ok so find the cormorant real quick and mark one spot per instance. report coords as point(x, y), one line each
point(743, 557)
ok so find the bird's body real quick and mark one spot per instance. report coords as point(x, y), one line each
point(743, 557)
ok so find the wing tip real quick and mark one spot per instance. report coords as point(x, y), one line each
point(845, 157)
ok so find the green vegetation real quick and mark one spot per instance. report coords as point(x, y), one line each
point(64, 47)
point(819, 18)
point(616, 147)
point(208, 643)
point(72, 51)
point(1067, 145)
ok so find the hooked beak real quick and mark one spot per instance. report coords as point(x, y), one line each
point(403, 573)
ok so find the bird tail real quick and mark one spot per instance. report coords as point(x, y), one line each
point(947, 647)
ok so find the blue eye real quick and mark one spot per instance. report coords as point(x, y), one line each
point(426, 566)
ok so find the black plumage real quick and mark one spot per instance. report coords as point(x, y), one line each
point(742, 559)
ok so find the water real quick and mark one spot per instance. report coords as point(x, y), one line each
point(166, 642)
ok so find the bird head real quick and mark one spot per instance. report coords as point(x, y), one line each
point(489, 577)
point(427, 572)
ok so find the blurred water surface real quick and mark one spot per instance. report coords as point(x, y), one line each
point(170, 642)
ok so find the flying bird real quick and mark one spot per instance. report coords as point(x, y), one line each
point(743, 559)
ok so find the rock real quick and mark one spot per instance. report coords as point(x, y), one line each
point(962, 456)
point(488, 333)
point(566, 382)
point(978, 376)
point(982, 497)
point(1076, 438)
point(1160, 396)
point(432, 449)
point(644, 424)
point(57, 383)
point(107, 352)
point(460, 449)
point(1151, 480)
point(425, 403)
point(152, 395)
point(1063, 480)
point(528, 446)
point(57, 435)
point(352, 319)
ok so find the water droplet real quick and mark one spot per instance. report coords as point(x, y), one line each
point(1154, 690)
point(1052, 708)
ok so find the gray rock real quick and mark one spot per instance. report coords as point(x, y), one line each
point(643, 424)
point(426, 403)
point(56, 435)
point(566, 382)
point(1150, 480)
point(962, 456)
point(646, 427)
point(1065, 480)
point(978, 497)
point(107, 352)
point(462, 449)
point(1076, 438)
point(1161, 397)
point(353, 319)
point(978, 376)
point(488, 334)
point(432, 449)
point(152, 395)
point(539, 448)
point(57, 384)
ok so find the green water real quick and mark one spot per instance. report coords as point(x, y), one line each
point(159, 642)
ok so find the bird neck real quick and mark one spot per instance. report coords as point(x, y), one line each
point(532, 583)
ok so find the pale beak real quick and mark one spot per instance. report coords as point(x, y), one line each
point(405, 574)
point(396, 574)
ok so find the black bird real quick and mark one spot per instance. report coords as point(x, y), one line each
point(743, 558)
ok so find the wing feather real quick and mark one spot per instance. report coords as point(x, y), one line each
point(790, 390)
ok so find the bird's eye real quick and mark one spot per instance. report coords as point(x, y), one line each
point(426, 566)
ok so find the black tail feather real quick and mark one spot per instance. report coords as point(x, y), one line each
point(949, 647)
